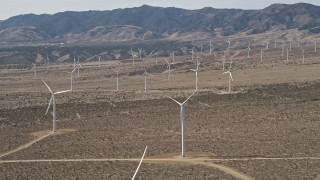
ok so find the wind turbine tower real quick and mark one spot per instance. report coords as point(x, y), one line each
point(196, 70)
point(53, 102)
point(303, 55)
point(140, 51)
point(182, 110)
point(117, 78)
point(145, 79)
point(34, 70)
point(211, 46)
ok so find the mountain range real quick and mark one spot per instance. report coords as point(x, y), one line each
point(156, 23)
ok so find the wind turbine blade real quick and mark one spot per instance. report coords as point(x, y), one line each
point(139, 163)
point(74, 69)
point(231, 76)
point(188, 98)
point(59, 92)
point(193, 70)
point(175, 100)
point(49, 105)
point(235, 54)
point(47, 85)
point(166, 60)
point(226, 72)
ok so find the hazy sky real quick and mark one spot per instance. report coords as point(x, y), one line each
point(11, 8)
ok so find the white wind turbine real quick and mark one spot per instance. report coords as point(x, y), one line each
point(140, 53)
point(48, 61)
point(74, 61)
point(283, 49)
point(261, 55)
point(192, 52)
point(34, 70)
point(117, 78)
point(229, 72)
point(71, 79)
point(223, 60)
point(211, 46)
point(168, 68)
point(230, 79)
point(248, 50)
point(145, 79)
point(156, 58)
point(290, 46)
point(132, 56)
point(99, 61)
point(172, 56)
point(196, 70)
point(182, 109)
point(78, 66)
point(145, 150)
point(303, 55)
point(229, 43)
point(53, 102)
point(287, 54)
point(267, 43)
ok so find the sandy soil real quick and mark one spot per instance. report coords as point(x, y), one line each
point(268, 128)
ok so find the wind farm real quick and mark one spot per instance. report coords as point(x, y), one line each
point(210, 108)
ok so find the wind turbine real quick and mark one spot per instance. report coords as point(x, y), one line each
point(74, 60)
point(224, 60)
point(145, 150)
point(290, 46)
point(78, 66)
point(182, 109)
point(275, 43)
point(156, 58)
point(117, 78)
point(99, 61)
point(140, 53)
point(283, 49)
point(315, 46)
point(132, 55)
point(192, 52)
point(196, 70)
point(287, 54)
point(53, 101)
point(303, 55)
point(261, 55)
point(248, 50)
point(168, 68)
point(48, 61)
point(211, 46)
point(229, 43)
point(71, 87)
point(71, 79)
point(145, 79)
point(172, 56)
point(230, 79)
point(35, 70)
point(230, 75)
point(267, 47)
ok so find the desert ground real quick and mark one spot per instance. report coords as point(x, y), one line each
point(266, 128)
